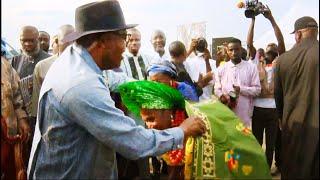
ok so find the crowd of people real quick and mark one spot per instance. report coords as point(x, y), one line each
point(96, 107)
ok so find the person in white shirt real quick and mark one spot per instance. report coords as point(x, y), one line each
point(202, 67)
point(134, 63)
point(264, 113)
point(158, 41)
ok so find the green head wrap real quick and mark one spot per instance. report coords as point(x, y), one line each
point(150, 95)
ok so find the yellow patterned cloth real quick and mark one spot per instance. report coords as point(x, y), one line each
point(228, 150)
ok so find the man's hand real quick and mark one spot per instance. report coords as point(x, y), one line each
point(280, 125)
point(24, 129)
point(236, 89)
point(208, 77)
point(203, 81)
point(193, 44)
point(200, 81)
point(207, 55)
point(193, 126)
point(267, 13)
point(192, 47)
point(225, 99)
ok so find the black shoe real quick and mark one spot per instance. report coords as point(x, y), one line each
point(275, 171)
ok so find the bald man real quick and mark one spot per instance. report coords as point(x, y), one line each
point(42, 67)
point(158, 41)
point(25, 62)
point(44, 39)
point(297, 102)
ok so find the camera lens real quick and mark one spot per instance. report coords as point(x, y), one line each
point(249, 13)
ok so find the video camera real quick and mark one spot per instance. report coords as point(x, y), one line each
point(201, 44)
point(254, 8)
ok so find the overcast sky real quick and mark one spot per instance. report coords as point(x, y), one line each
point(222, 17)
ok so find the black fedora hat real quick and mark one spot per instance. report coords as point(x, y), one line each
point(95, 17)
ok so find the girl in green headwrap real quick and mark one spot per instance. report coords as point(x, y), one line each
point(227, 150)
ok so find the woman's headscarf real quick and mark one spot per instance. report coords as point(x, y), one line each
point(164, 67)
point(150, 95)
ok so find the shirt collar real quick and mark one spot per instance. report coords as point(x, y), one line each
point(200, 54)
point(230, 63)
point(84, 54)
point(129, 54)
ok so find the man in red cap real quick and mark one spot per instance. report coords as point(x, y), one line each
point(297, 102)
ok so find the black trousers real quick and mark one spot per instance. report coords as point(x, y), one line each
point(265, 119)
point(132, 169)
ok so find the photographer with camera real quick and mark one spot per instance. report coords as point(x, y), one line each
point(264, 113)
point(201, 67)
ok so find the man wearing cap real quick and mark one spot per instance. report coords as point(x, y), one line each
point(297, 101)
point(78, 128)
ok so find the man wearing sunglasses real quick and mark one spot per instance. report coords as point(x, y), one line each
point(79, 130)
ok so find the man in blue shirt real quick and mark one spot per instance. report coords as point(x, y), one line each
point(78, 128)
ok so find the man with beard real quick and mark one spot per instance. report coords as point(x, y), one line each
point(297, 101)
point(79, 129)
point(24, 64)
point(44, 39)
point(158, 40)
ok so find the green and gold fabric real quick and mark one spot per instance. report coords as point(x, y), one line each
point(227, 150)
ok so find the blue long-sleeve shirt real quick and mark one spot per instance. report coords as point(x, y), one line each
point(78, 128)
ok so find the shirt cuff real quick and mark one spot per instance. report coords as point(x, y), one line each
point(243, 89)
point(178, 136)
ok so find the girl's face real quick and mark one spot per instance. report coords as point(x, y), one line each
point(157, 118)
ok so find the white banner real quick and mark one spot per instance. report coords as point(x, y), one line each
point(187, 32)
